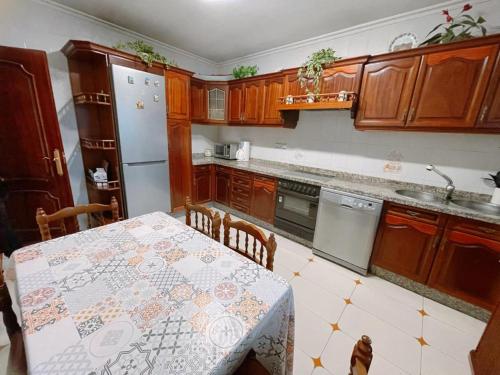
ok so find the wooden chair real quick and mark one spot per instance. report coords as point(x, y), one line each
point(17, 358)
point(260, 241)
point(362, 356)
point(210, 221)
point(251, 366)
point(44, 220)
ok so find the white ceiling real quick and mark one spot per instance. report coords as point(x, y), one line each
point(224, 29)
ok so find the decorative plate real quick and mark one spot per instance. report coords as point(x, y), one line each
point(403, 41)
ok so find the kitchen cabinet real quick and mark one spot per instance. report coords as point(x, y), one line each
point(263, 199)
point(467, 264)
point(344, 75)
point(202, 183)
point(274, 88)
point(450, 87)
point(178, 94)
point(406, 242)
point(235, 112)
point(217, 103)
point(489, 116)
point(241, 187)
point(386, 92)
point(292, 83)
point(252, 102)
point(179, 151)
point(198, 100)
point(222, 185)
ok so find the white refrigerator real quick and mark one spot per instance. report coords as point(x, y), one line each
point(141, 116)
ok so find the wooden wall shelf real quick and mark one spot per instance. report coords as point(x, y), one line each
point(92, 98)
point(98, 144)
point(322, 101)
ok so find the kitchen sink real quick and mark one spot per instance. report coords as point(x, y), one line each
point(483, 207)
point(420, 195)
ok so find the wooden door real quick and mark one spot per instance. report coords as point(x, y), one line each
point(489, 116)
point(198, 101)
point(405, 246)
point(274, 88)
point(263, 199)
point(450, 87)
point(222, 187)
point(29, 138)
point(235, 103)
point(178, 92)
point(467, 266)
point(179, 151)
point(342, 78)
point(217, 103)
point(386, 91)
point(202, 184)
point(253, 102)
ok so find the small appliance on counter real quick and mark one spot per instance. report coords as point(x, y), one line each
point(243, 153)
point(226, 151)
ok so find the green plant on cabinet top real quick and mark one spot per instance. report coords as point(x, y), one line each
point(145, 52)
point(313, 68)
point(245, 71)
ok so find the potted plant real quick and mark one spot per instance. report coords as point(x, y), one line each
point(313, 68)
point(456, 28)
point(245, 71)
point(145, 52)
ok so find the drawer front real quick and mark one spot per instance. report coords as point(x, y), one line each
point(243, 182)
point(202, 169)
point(415, 213)
point(220, 168)
point(239, 198)
point(475, 227)
point(240, 207)
point(265, 180)
point(239, 190)
point(240, 173)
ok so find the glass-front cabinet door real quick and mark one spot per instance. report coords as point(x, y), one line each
point(217, 98)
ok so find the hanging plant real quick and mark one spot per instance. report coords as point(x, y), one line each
point(313, 68)
point(456, 28)
point(245, 71)
point(145, 52)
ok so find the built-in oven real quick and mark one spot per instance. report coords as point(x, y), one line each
point(297, 208)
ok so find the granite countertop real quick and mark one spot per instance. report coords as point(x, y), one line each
point(358, 184)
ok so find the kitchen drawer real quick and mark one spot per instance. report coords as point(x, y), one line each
point(415, 213)
point(475, 227)
point(241, 181)
point(266, 180)
point(201, 169)
point(240, 173)
point(240, 190)
point(240, 198)
point(220, 168)
point(240, 207)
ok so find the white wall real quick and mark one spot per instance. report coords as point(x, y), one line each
point(37, 25)
point(328, 140)
point(203, 137)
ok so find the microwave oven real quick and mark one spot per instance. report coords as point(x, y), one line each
point(226, 150)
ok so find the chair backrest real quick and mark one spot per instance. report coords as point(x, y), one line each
point(260, 242)
point(43, 220)
point(205, 220)
point(362, 356)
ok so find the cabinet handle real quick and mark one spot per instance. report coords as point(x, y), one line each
point(483, 113)
point(410, 114)
point(487, 230)
point(435, 244)
point(404, 116)
point(58, 162)
point(412, 213)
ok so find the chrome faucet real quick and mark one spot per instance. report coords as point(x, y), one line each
point(450, 188)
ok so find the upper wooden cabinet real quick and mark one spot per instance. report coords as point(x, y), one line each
point(178, 93)
point(292, 83)
point(217, 103)
point(386, 92)
point(198, 100)
point(344, 75)
point(450, 87)
point(489, 116)
point(235, 107)
point(253, 99)
point(274, 88)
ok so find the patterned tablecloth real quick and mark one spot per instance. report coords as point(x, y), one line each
point(149, 295)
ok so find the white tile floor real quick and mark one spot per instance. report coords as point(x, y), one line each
point(334, 307)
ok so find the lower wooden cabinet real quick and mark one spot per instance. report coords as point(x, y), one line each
point(202, 183)
point(263, 199)
point(406, 245)
point(222, 185)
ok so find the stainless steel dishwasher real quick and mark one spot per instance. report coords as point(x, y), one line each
point(345, 228)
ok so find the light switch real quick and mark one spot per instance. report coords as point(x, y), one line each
point(130, 80)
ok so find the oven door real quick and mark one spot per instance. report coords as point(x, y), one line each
point(297, 208)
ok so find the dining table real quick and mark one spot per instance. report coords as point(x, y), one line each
point(148, 295)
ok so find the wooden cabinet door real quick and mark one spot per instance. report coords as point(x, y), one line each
point(178, 92)
point(405, 246)
point(235, 103)
point(179, 151)
point(198, 101)
point(468, 267)
point(342, 78)
point(386, 91)
point(450, 87)
point(253, 102)
point(202, 184)
point(29, 136)
point(222, 187)
point(263, 199)
point(292, 85)
point(217, 103)
point(273, 90)
point(489, 116)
